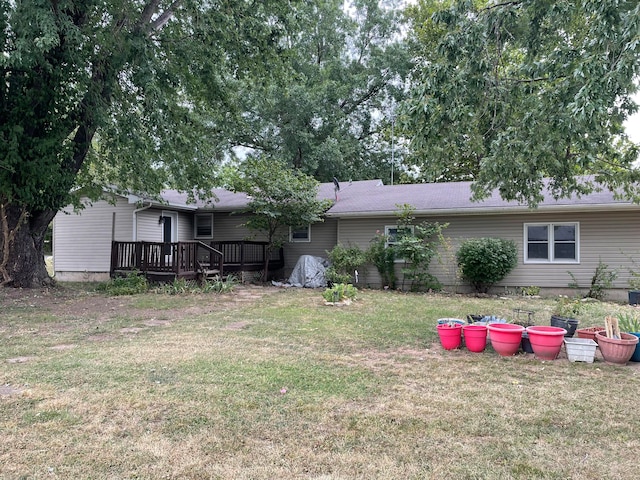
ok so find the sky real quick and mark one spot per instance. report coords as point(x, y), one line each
point(632, 125)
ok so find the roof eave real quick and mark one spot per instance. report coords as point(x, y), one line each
point(492, 210)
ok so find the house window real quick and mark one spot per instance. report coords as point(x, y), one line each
point(203, 225)
point(552, 242)
point(300, 234)
point(394, 233)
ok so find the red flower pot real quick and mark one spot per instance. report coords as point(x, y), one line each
point(475, 337)
point(450, 335)
point(546, 342)
point(505, 338)
point(589, 332)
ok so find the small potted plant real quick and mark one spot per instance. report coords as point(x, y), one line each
point(630, 324)
point(565, 314)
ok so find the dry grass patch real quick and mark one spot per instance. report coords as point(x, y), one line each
point(279, 385)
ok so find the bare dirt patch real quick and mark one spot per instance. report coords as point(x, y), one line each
point(66, 346)
point(157, 323)
point(8, 390)
point(20, 359)
point(133, 330)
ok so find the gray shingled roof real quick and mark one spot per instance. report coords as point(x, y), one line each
point(450, 198)
point(373, 198)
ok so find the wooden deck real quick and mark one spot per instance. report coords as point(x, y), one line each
point(165, 262)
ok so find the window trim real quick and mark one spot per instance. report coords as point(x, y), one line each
point(550, 244)
point(195, 226)
point(299, 229)
point(390, 227)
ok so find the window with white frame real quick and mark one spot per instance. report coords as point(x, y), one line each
point(300, 234)
point(552, 242)
point(395, 232)
point(203, 226)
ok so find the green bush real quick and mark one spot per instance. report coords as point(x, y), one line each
point(383, 257)
point(130, 284)
point(344, 262)
point(339, 292)
point(485, 261)
point(180, 286)
point(219, 285)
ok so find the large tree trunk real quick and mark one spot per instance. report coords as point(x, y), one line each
point(22, 246)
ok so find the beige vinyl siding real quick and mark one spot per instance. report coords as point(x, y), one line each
point(227, 227)
point(149, 228)
point(82, 241)
point(612, 237)
point(324, 237)
point(185, 226)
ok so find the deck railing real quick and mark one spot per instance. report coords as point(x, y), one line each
point(191, 258)
point(247, 255)
point(177, 258)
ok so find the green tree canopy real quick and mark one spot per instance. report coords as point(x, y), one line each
point(511, 94)
point(131, 93)
point(327, 116)
point(281, 197)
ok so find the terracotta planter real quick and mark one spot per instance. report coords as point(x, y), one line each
point(546, 342)
point(617, 350)
point(450, 335)
point(505, 338)
point(475, 337)
point(589, 332)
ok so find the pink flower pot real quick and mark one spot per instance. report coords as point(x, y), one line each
point(505, 338)
point(450, 336)
point(546, 342)
point(475, 337)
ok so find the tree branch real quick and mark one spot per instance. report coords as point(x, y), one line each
point(499, 5)
point(165, 16)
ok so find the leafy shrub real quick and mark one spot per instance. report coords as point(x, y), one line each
point(180, 286)
point(219, 285)
point(383, 257)
point(344, 262)
point(567, 307)
point(339, 292)
point(601, 281)
point(485, 261)
point(530, 291)
point(628, 322)
point(131, 284)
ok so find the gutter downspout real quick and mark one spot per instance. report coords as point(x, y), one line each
point(135, 220)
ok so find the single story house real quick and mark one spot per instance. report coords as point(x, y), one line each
point(560, 236)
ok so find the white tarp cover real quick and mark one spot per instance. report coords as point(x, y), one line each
point(309, 272)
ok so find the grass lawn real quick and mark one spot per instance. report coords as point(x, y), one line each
point(268, 383)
